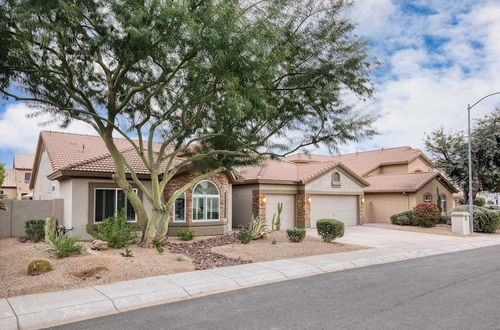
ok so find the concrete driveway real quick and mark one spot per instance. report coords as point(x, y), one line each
point(373, 235)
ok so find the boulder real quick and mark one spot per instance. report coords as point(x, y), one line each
point(99, 245)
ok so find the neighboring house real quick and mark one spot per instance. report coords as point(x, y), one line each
point(17, 178)
point(399, 178)
point(308, 191)
point(491, 198)
point(78, 169)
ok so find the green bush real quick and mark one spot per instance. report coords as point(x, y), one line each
point(403, 220)
point(185, 234)
point(245, 235)
point(39, 266)
point(330, 229)
point(445, 219)
point(296, 235)
point(50, 229)
point(114, 230)
point(35, 229)
point(485, 221)
point(479, 201)
point(63, 246)
point(426, 214)
point(408, 214)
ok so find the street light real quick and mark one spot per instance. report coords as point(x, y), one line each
point(471, 208)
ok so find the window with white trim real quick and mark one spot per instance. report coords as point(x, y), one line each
point(427, 198)
point(443, 203)
point(27, 177)
point(180, 208)
point(206, 202)
point(108, 201)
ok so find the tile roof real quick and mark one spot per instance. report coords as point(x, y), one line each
point(10, 178)
point(24, 161)
point(399, 182)
point(362, 163)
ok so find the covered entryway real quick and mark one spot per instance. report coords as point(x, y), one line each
point(340, 207)
point(288, 213)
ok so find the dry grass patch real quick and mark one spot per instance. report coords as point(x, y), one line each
point(264, 250)
point(98, 267)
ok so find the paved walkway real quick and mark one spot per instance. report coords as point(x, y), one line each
point(45, 309)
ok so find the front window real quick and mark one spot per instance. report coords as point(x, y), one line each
point(180, 208)
point(428, 198)
point(443, 203)
point(108, 201)
point(206, 202)
point(27, 177)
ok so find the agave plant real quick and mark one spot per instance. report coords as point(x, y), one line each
point(258, 228)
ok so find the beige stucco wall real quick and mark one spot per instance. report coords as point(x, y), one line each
point(394, 169)
point(10, 192)
point(323, 183)
point(380, 206)
point(419, 164)
point(22, 187)
point(43, 186)
point(431, 188)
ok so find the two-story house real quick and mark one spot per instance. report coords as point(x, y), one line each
point(17, 179)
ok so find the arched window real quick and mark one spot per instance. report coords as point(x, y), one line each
point(206, 202)
point(443, 203)
point(335, 179)
point(180, 208)
point(427, 198)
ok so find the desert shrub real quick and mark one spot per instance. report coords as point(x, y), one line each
point(50, 229)
point(185, 234)
point(114, 230)
point(245, 235)
point(296, 235)
point(159, 245)
point(330, 229)
point(445, 219)
point(35, 229)
point(63, 246)
point(485, 221)
point(403, 220)
point(258, 228)
point(127, 253)
point(408, 214)
point(479, 201)
point(426, 214)
point(39, 266)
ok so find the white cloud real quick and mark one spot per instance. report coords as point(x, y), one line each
point(20, 133)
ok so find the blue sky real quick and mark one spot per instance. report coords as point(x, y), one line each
point(437, 56)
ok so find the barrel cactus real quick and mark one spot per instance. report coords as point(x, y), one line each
point(39, 266)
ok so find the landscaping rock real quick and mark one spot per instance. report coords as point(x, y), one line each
point(203, 257)
point(39, 266)
point(99, 245)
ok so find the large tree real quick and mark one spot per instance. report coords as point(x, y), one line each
point(449, 152)
point(220, 82)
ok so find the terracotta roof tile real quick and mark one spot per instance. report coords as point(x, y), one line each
point(399, 182)
point(24, 161)
point(10, 178)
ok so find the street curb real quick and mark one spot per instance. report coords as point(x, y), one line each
point(25, 312)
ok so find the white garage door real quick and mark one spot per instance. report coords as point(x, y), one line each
point(288, 213)
point(343, 208)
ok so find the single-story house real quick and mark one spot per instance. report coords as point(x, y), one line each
point(308, 192)
point(78, 169)
point(398, 179)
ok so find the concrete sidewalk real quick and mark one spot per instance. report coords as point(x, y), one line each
point(46, 309)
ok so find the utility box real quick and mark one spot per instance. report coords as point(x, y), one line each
point(460, 223)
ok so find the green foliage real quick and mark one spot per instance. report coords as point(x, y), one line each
point(50, 229)
point(159, 245)
point(185, 234)
point(406, 214)
point(63, 246)
point(2, 177)
point(35, 229)
point(485, 221)
point(426, 214)
point(258, 228)
point(444, 219)
point(274, 241)
point(127, 253)
point(39, 266)
point(438, 201)
point(330, 229)
point(276, 225)
point(245, 235)
point(296, 235)
point(479, 201)
point(114, 230)
point(449, 153)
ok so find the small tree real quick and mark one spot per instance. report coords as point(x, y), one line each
point(216, 83)
point(438, 201)
point(2, 195)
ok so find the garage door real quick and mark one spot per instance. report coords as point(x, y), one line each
point(343, 208)
point(288, 213)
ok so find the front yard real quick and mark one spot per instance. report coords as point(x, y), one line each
point(103, 267)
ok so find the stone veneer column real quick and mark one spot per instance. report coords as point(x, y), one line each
point(362, 209)
point(303, 211)
point(259, 206)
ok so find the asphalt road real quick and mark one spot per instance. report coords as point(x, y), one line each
point(451, 291)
